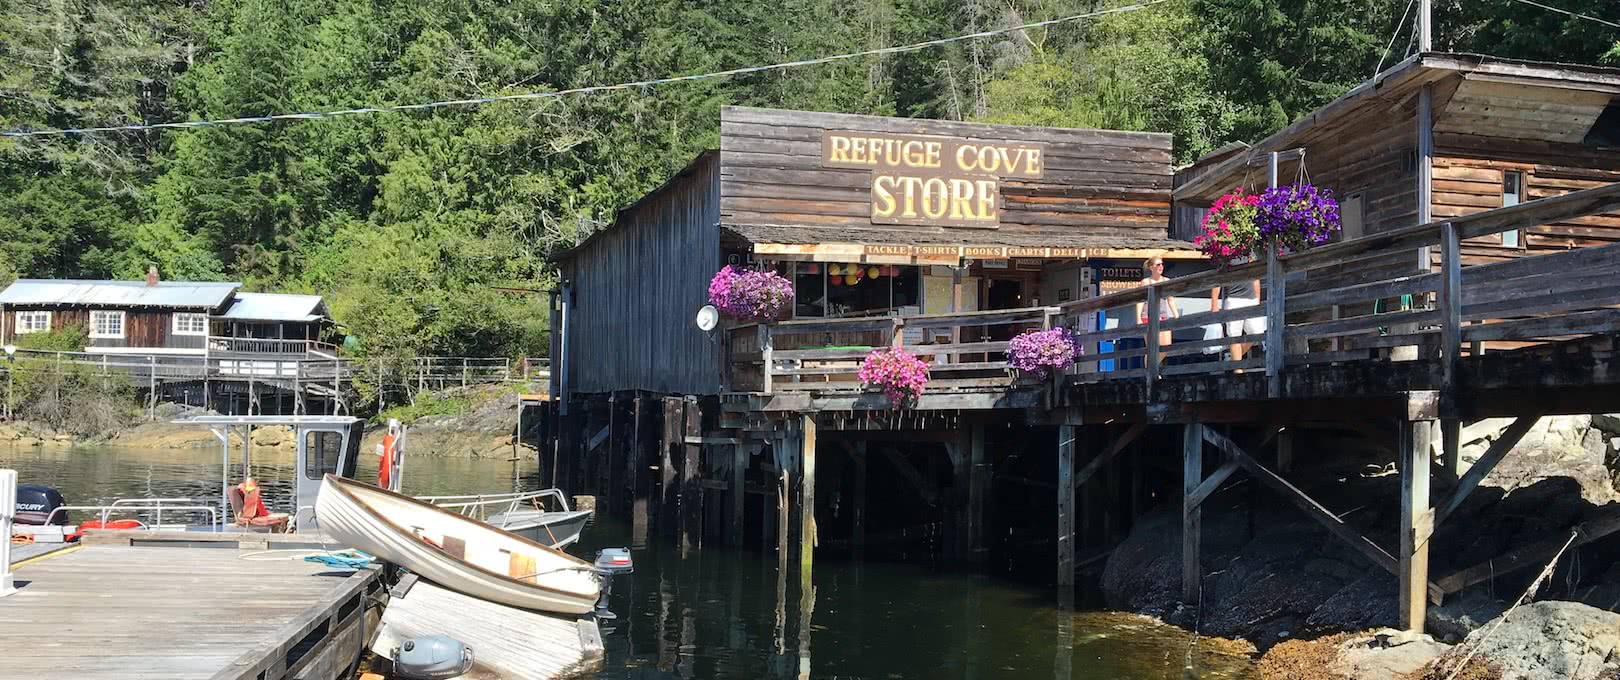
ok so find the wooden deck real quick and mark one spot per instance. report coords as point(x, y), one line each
point(1383, 319)
point(133, 612)
point(508, 644)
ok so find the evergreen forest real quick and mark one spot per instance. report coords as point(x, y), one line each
point(424, 228)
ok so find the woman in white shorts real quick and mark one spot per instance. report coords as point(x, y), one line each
point(1237, 296)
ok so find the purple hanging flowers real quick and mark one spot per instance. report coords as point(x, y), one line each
point(749, 295)
point(1041, 352)
point(1297, 216)
point(900, 374)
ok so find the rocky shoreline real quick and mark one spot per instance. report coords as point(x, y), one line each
point(484, 431)
point(1275, 578)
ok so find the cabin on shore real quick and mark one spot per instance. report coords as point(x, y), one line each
point(871, 218)
point(154, 317)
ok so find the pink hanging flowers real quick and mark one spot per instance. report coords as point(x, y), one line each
point(900, 374)
point(1230, 231)
point(1290, 218)
point(749, 295)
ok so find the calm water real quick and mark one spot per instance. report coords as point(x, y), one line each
point(730, 614)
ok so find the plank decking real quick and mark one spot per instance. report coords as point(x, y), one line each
point(175, 612)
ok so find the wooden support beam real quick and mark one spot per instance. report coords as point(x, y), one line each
point(911, 475)
point(639, 472)
point(1451, 446)
point(807, 499)
point(1208, 487)
point(668, 494)
point(1192, 474)
point(979, 472)
point(691, 479)
point(1417, 523)
point(1321, 514)
point(858, 531)
point(1124, 440)
point(1276, 321)
point(1482, 468)
point(1533, 555)
point(1285, 449)
point(1067, 435)
point(740, 455)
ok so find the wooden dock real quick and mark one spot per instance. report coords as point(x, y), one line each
point(164, 611)
point(507, 643)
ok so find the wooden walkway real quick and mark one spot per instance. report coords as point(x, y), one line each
point(508, 644)
point(176, 612)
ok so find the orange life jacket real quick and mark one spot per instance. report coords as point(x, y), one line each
point(252, 503)
point(385, 467)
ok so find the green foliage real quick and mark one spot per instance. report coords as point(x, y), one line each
point(67, 339)
point(426, 404)
point(411, 223)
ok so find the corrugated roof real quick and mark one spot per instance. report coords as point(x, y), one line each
point(275, 307)
point(186, 294)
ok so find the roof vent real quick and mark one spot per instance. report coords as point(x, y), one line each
point(151, 276)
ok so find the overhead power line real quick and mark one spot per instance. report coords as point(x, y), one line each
point(316, 115)
point(1577, 15)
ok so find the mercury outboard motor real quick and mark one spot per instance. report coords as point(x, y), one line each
point(610, 562)
point(35, 503)
point(430, 657)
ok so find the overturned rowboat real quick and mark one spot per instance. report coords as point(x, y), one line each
point(457, 552)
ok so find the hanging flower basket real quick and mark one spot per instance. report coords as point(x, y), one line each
point(1230, 231)
point(1290, 218)
point(900, 374)
point(1296, 217)
point(1038, 353)
point(748, 295)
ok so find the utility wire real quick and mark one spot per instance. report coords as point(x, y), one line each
point(314, 115)
point(1392, 36)
point(1605, 22)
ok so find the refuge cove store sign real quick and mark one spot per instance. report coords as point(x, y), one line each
point(939, 181)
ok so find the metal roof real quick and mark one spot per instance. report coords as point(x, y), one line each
point(63, 292)
point(275, 307)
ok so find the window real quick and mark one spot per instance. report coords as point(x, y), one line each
point(33, 322)
point(106, 324)
point(1512, 194)
point(190, 324)
point(1350, 217)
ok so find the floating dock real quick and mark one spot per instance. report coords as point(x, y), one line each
point(209, 606)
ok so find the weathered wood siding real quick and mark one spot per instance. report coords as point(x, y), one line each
point(142, 328)
point(1097, 182)
point(1468, 178)
point(637, 286)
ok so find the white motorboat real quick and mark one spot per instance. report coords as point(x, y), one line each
point(455, 551)
point(540, 516)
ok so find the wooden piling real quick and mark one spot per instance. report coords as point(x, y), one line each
point(668, 493)
point(807, 497)
point(639, 475)
point(1065, 510)
point(1192, 470)
point(691, 477)
point(1417, 523)
point(1451, 447)
point(740, 455)
point(858, 532)
point(1285, 450)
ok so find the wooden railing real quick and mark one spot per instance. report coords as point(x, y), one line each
point(1401, 295)
point(218, 343)
point(964, 350)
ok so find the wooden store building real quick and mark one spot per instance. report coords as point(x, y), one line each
point(869, 217)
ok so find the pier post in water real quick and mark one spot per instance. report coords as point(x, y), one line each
point(807, 496)
point(1417, 523)
point(691, 477)
point(639, 472)
point(1065, 508)
point(1191, 522)
point(978, 492)
point(668, 498)
point(858, 531)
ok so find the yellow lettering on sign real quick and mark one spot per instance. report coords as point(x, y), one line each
point(931, 152)
point(840, 149)
point(883, 196)
point(1032, 166)
point(914, 156)
point(985, 191)
point(909, 188)
point(857, 150)
point(935, 198)
point(961, 207)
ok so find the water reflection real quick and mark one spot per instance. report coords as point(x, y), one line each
point(736, 614)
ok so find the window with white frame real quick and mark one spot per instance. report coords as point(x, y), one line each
point(1512, 195)
point(190, 324)
point(33, 322)
point(106, 324)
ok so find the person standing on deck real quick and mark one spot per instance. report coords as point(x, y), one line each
point(1235, 296)
point(1153, 270)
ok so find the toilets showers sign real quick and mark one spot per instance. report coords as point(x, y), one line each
point(938, 181)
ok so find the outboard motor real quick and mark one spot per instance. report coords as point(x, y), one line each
point(35, 503)
point(431, 657)
point(610, 562)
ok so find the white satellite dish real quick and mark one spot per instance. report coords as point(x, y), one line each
point(708, 318)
